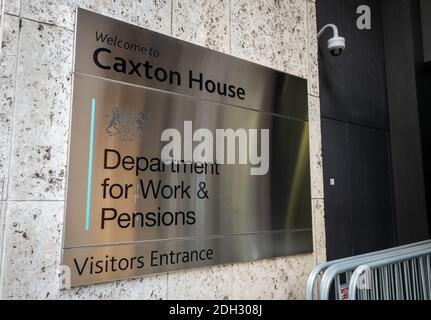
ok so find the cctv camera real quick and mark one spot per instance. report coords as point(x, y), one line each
point(336, 44)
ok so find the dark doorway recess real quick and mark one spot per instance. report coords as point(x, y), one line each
point(371, 99)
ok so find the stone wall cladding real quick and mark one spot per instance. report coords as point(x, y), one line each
point(36, 67)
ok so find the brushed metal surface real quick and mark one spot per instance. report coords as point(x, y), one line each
point(265, 89)
point(245, 217)
point(237, 248)
point(238, 202)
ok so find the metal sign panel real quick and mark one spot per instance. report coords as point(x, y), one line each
point(130, 213)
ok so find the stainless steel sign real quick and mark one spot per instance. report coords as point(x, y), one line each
point(128, 211)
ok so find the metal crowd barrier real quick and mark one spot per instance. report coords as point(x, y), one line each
point(321, 279)
point(404, 277)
